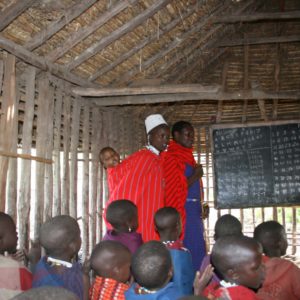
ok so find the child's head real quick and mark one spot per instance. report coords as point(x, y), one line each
point(111, 259)
point(152, 265)
point(168, 223)
point(227, 225)
point(239, 260)
point(272, 237)
point(122, 215)
point(109, 157)
point(60, 236)
point(8, 234)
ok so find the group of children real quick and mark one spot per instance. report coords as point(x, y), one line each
point(123, 267)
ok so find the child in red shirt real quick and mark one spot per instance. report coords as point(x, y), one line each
point(238, 259)
point(282, 276)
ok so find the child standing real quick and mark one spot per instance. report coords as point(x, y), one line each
point(239, 260)
point(282, 276)
point(60, 237)
point(110, 261)
point(152, 270)
point(14, 277)
point(123, 217)
point(168, 225)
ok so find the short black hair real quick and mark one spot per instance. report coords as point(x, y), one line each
point(227, 225)
point(103, 150)
point(106, 255)
point(46, 293)
point(270, 235)
point(5, 218)
point(178, 126)
point(57, 233)
point(151, 265)
point(227, 252)
point(120, 212)
point(166, 218)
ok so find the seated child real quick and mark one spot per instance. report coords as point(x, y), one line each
point(168, 225)
point(226, 225)
point(60, 237)
point(152, 270)
point(110, 261)
point(46, 293)
point(239, 260)
point(122, 215)
point(282, 276)
point(14, 276)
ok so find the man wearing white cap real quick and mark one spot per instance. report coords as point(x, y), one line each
point(139, 177)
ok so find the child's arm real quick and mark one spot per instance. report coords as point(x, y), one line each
point(201, 280)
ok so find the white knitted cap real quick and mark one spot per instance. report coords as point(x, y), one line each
point(153, 121)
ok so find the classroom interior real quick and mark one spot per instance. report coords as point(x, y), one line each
point(76, 76)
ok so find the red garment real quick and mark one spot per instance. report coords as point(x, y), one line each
point(238, 292)
point(174, 163)
point(14, 278)
point(107, 289)
point(139, 178)
point(282, 280)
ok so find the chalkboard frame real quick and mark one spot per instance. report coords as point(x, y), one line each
point(244, 125)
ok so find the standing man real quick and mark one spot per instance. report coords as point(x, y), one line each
point(139, 177)
point(183, 189)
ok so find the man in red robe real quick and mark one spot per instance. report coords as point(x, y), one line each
point(139, 177)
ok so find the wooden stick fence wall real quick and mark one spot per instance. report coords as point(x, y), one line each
point(63, 176)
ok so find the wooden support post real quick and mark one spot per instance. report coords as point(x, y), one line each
point(85, 188)
point(7, 119)
point(73, 159)
point(65, 191)
point(41, 148)
point(95, 148)
point(56, 152)
point(12, 175)
point(48, 153)
point(25, 184)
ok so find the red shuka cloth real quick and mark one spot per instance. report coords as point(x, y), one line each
point(139, 178)
point(174, 163)
point(234, 293)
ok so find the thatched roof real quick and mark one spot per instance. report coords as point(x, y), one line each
point(248, 49)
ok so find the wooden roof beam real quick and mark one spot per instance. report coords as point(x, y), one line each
point(289, 15)
point(68, 16)
point(10, 13)
point(158, 89)
point(84, 32)
point(144, 43)
point(253, 94)
point(127, 27)
point(41, 63)
point(259, 41)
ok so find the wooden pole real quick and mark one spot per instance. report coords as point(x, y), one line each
point(85, 187)
point(160, 89)
point(73, 159)
point(242, 95)
point(289, 15)
point(7, 120)
point(25, 184)
point(56, 209)
point(65, 190)
point(48, 153)
point(41, 148)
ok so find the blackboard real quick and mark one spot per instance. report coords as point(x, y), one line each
point(257, 165)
